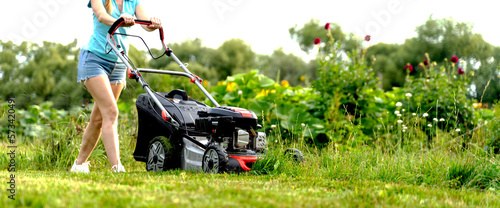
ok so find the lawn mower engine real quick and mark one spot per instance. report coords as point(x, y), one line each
point(233, 128)
point(208, 139)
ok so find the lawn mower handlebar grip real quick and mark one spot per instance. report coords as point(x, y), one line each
point(120, 21)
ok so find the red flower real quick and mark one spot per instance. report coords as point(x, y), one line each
point(460, 71)
point(454, 59)
point(317, 41)
point(367, 38)
point(327, 26)
point(409, 67)
point(426, 63)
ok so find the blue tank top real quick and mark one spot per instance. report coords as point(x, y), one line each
point(97, 42)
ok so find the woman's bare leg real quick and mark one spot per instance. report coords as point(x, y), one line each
point(103, 119)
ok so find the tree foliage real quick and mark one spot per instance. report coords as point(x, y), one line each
point(440, 39)
point(47, 72)
point(233, 56)
point(281, 66)
point(34, 73)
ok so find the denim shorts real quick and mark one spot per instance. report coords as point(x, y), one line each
point(91, 65)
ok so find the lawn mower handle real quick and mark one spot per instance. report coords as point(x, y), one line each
point(164, 113)
point(194, 79)
point(119, 22)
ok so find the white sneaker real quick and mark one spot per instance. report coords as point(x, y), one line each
point(83, 168)
point(118, 169)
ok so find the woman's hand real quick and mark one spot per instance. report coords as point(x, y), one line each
point(128, 20)
point(156, 23)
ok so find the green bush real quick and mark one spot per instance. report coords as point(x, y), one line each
point(349, 100)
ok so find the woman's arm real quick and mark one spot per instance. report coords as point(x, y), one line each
point(139, 12)
point(105, 18)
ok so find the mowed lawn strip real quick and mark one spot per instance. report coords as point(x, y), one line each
point(187, 189)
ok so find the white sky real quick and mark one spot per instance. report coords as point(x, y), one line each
point(263, 24)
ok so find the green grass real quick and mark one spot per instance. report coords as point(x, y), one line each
point(186, 189)
point(362, 177)
point(336, 176)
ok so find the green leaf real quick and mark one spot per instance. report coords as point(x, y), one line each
point(259, 106)
point(265, 81)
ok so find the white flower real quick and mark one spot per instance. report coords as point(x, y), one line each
point(273, 126)
point(413, 114)
point(240, 92)
point(435, 119)
point(441, 119)
point(400, 121)
point(457, 130)
point(408, 94)
point(429, 125)
point(425, 115)
point(396, 112)
point(403, 110)
point(404, 127)
point(399, 104)
point(303, 125)
point(399, 115)
point(404, 130)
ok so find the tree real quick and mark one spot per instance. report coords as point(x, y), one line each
point(187, 51)
point(282, 66)
point(9, 64)
point(34, 73)
point(233, 56)
point(440, 39)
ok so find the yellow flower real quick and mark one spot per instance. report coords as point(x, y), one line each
point(262, 93)
point(302, 78)
point(230, 86)
point(285, 83)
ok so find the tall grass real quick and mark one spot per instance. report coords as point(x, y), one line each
point(446, 167)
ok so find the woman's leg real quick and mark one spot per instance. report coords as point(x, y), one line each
point(103, 119)
point(93, 131)
point(91, 135)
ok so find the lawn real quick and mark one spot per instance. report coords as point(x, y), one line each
point(355, 178)
point(185, 189)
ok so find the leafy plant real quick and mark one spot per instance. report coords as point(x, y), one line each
point(349, 100)
point(275, 104)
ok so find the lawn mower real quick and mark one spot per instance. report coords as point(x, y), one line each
point(176, 131)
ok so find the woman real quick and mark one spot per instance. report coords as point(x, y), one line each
point(103, 74)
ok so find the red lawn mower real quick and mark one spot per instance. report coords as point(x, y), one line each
point(176, 131)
